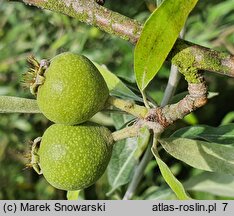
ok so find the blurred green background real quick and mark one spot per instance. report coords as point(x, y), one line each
point(25, 30)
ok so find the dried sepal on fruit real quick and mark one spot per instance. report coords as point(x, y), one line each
point(34, 77)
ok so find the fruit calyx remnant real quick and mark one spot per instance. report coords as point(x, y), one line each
point(35, 159)
point(35, 74)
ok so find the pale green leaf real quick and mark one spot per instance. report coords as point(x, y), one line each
point(223, 134)
point(122, 164)
point(213, 183)
point(121, 120)
point(115, 85)
point(124, 159)
point(18, 105)
point(201, 155)
point(170, 179)
point(158, 37)
point(73, 195)
point(158, 193)
point(142, 141)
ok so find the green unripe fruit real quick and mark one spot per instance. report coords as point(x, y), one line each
point(73, 157)
point(69, 88)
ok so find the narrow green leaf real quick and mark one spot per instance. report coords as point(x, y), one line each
point(3, 144)
point(223, 134)
point(228, 118)
point(191, 119)
point(170, 179)
point(158, 37)
point(18, 105)
point(213, 183)
point(115, 85)
point(202, 155)
point(73, 195)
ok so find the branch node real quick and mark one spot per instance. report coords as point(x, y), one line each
point(156, 115)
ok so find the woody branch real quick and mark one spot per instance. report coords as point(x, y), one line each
point(90, 12)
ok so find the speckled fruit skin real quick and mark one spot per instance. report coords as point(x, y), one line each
point(74, 157)
point(73, 91)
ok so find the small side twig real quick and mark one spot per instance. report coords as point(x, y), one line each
point(9, 104)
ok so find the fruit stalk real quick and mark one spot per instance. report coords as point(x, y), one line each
point(128, 106)
point(127, 132)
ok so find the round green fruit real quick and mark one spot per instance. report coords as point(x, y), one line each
point(72, 157)
point(69, 88)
